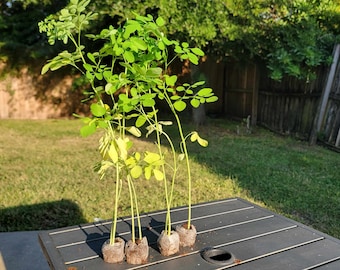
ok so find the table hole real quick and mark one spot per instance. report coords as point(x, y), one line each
point(217, 256)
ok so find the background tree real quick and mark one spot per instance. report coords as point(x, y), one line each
point(20, 40)
point(291, 37)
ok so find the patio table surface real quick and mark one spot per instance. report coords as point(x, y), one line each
point(257, 239)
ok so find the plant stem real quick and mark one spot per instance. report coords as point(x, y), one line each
point(168, 206)
point(132, 211)
point(185, 150)
point(172, 180)
point(137, 210)
point(115, 212)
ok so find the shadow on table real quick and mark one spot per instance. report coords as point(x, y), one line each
point(43, 216)
point(151, 231)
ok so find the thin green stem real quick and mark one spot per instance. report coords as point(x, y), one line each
point(168, 198)
point(140, 235)
point(168, 206)
point(132, 211)
point(184, 150)
point(172, 180)
point(118, 189)
point(115, 212)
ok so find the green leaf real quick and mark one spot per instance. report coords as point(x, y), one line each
point(101, 123)
point(161, 45)
point(88, 130)
point(193, 136)
point(130, 162)
point(175, 97)
point(113, 154)
point(151, 157)
point(148, 172)
point(197, 51)
point(171, 80)
point(45, 68)
point(127, 108)
point(99, 76)
point(131, 28)
point(193, 58)
point(196, 84)
point(202, 142)
point(158, 174)
point(178, 49)
point(160, 21)
point(136, 171)
point(184, 56)
point(122, 145)
point(195, 103)
point(128, 55)
point(211, 99)
point(167, 41)
point(185, 44)
point(154, 72)
point(139, 43)
point(180, 105)
point(204, 92)
point(148, 102)
point(171, 90)
point(180, 88)
point(140, 121)
point(118, 51)
point(88, 67)
point(134, 131)
point(97, 110)
point(58, 64)
point(109, 89)
point(149, 18)
point(91, 57)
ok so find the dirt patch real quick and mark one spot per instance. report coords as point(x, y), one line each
point(25, 94)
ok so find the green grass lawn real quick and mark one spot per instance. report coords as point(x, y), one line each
point(47, 178)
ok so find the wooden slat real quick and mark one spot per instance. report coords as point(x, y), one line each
point(258, 238)
point(310, 256)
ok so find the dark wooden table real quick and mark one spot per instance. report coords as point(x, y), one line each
point(255, 238)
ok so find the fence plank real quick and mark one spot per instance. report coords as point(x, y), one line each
point(337, 142)
point(325, 95)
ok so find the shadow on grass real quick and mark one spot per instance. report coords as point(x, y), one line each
point(41, 216)
point(287, 176)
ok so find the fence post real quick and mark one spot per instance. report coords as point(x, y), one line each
point(255, 101)
point(324, 97)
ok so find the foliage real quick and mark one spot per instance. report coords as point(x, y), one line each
point(130, 69)
point(20, 41)
point(290, 37)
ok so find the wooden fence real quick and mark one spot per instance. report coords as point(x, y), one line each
point(327, 119)
point(293, 107)
point(289, 107)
